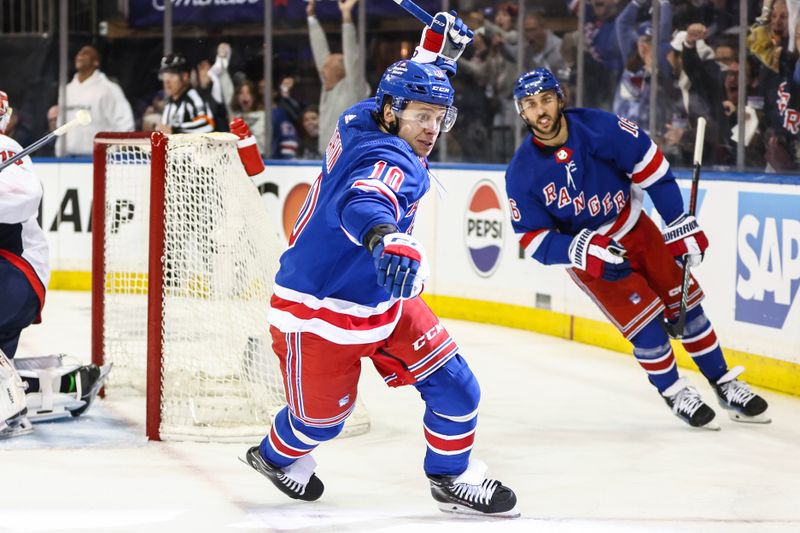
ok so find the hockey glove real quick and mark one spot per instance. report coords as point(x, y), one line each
point(599, 256)
point(443, 42)
point(401, 264)
point(685, 239)
point(247, 147)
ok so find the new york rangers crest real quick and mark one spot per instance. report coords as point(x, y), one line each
point(563, 155)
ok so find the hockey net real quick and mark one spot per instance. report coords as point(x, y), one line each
point(183, 267)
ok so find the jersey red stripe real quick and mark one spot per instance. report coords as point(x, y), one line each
point(650, 169)
point(341, 320)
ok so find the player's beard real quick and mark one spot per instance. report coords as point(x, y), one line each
point(553, 132)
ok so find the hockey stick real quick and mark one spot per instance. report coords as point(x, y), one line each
point(420, 14)
point(676, 330)
point(82, 118)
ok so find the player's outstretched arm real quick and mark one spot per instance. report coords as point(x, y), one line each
point(443, 42)
point(400, 260)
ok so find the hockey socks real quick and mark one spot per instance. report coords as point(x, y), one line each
point(451, 396)
point(701, 343)
point(289, 439)
point(653, 352)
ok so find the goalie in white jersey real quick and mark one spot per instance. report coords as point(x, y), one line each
point(39, 387)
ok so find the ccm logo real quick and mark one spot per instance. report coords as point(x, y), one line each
point(429, 336)
point(436, 88)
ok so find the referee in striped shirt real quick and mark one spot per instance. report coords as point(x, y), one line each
point(186, 111)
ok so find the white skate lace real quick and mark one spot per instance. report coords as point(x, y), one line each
point(476, 493)
point(737, 392)
point(687, 400)
point(294, 486)
point(296, 475)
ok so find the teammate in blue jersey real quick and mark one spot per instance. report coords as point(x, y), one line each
point(575, 186)
point(348, 287)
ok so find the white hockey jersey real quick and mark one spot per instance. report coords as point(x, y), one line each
point(106, 102)
point(22, 241)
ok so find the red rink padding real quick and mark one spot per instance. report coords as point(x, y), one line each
point(654, 285)
point(321, 377)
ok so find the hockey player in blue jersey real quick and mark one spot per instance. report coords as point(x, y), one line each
point(348, 287)
point(575, 186)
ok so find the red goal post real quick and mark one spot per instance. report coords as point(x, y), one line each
point(183, 260)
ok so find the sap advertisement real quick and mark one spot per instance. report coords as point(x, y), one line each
point(751, 271)
point(767, 258)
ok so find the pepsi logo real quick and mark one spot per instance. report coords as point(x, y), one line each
point(483, 228)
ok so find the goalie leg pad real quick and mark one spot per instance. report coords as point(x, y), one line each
point(13, 405)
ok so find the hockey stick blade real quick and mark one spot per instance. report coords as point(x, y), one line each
point(82, 118)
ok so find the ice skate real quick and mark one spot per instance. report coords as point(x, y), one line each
point(687, 405)
point(297, 480)
point(473, 494)
point(741, 403)
point(91, 379)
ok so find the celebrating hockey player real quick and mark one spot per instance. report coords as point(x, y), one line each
point(36, 388)
point(349, 285)
point(575, 186)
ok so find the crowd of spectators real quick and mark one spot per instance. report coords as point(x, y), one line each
point(698, 68)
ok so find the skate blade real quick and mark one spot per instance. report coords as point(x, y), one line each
point(758, 419)
point(453, 508)
point(711, 426)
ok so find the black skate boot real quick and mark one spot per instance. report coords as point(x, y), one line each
point(687, 405)
point(741, 403)
point(87, 380)
point(472, 493)
point(297, 480)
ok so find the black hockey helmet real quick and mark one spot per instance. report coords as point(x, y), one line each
point(174, 63)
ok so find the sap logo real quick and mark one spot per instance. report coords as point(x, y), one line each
point(768, 258)
point(483, 228)
point(428, 336)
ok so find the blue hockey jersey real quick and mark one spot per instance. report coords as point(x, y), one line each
point(327, 283)
point(595, 180)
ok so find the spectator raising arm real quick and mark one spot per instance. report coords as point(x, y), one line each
point(343, 80)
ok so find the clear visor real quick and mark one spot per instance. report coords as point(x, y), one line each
point(529, 100)
point(442, 119)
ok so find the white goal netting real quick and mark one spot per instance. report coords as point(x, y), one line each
point(219, 377)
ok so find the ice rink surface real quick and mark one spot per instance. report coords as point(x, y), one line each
point(576, 431)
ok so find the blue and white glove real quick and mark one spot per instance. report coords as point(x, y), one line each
point(443, 42)
point(401, 265)
point(599, 256)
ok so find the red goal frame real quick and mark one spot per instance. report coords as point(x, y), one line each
point(158, 143)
